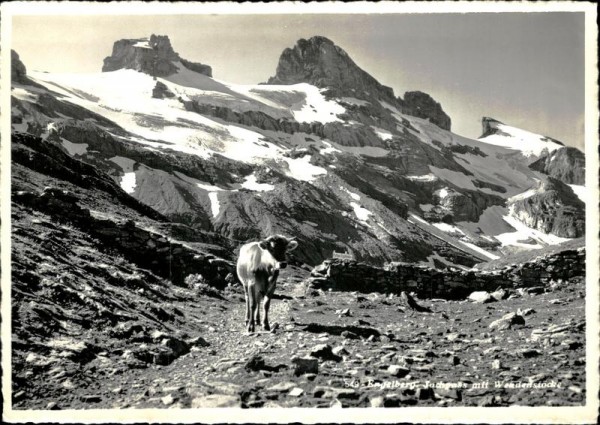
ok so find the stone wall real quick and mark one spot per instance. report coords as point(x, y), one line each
point(426, 282)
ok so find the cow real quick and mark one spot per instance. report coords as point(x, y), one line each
point(258, 269)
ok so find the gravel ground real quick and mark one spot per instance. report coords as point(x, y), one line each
point(368, 350)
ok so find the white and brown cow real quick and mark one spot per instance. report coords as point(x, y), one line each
point(258, 269)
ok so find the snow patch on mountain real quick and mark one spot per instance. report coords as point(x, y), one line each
point(24, 94)
point(329, 149)
point(361, 213)
point(313, 106)
point(529, 144)
point(353, 195)
point(442, 193)
point(302, 169)
point(382, 134)
point(144, 44)
point(215, 206)
point(524, 233)
point(128, 181)
point(448, 228)
point(423, 178)
point(581, 192)
point(250, 183)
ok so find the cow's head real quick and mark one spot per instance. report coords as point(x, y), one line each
point(278, 246)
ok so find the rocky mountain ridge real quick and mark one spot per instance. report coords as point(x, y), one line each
point(320, 62)
point(363, 172)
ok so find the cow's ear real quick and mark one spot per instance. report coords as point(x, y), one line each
point(292, 245)
point(264, 244)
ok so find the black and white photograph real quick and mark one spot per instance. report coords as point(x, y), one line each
point(309, 212)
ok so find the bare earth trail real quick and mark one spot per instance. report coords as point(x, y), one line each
point(384, 354)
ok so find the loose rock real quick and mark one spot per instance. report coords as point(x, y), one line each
point(324, 352)
point(305, 365)
point(216, 400)
point(482, 297)
point(507, 321)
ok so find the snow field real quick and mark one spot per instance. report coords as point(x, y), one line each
point(165, 124)
point(529, 144)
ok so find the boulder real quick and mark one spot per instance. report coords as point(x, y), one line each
point(507, 321)
point(305, 365)
point(481, 297)
point(324, 352)
point(397, 371)
point(216, 400)
point(499, 294)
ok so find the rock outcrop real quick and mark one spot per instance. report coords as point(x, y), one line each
point(320, 62)
point(18, 72)
point(490, 126)
point(154, 56)
point(554, 208)
point(422, 105)
point(466, 206)
point(566, 164)
point(334, 131)
point(160, 91)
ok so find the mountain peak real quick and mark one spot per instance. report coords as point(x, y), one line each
point(320, 62)
point(490, 126)
point(153, 55)
point(18, 72)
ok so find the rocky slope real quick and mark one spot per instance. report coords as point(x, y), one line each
point(553, 207)
point(566, 164)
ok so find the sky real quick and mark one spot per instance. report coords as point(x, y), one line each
point(524, 69)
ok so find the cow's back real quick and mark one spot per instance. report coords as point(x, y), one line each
point(249, 261)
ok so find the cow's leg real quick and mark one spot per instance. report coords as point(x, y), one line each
point(258, 302)
point(272, 281)
point(254, 308)
point(247, 305)
point(266, 306)
point(252, 304)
